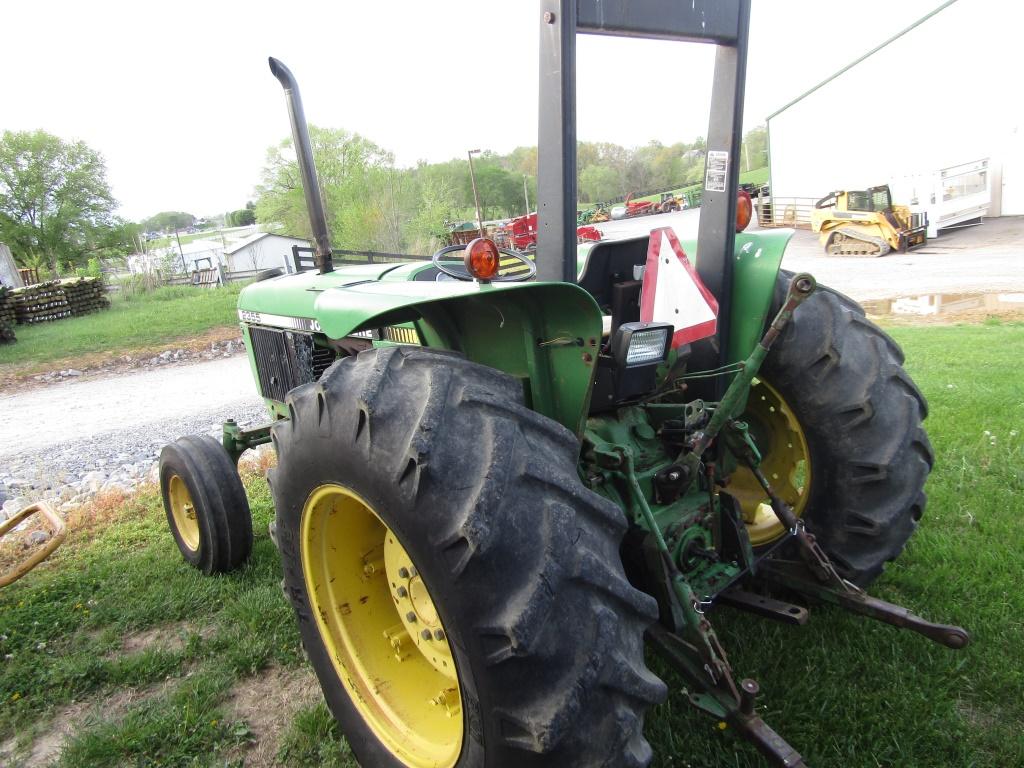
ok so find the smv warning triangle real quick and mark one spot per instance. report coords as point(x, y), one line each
point(672, 292)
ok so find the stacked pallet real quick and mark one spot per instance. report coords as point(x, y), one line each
point(6, 316)
point(39, 303)
point(85, 295)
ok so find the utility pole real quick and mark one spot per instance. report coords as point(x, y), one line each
point(184, 266)
point(526, 195)
point(476, 196)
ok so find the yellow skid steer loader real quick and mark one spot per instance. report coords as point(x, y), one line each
point(866, 223)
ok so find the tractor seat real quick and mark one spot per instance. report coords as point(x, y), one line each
point(609, 275)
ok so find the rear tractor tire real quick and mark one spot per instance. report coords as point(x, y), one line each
point(840, 422)
point(459, 592)
point(207, 510)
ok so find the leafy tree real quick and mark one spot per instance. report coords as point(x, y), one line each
point(243, 217)
point(347, 165)
point(755, 149)
point(599, 183)
point(167, 221)
point(501, 193)
point(438, 203)
point(55, 204)
point(522, 161)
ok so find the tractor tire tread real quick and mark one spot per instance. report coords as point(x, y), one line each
point(523, 559)
point(862, 416)
point(219, 497)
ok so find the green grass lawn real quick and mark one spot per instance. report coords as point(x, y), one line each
point(163, 242)
point(844, 690)
point(756, 176)
point(133, 322)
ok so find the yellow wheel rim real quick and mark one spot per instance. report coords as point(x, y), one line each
point(785, 462)
point(184, 512)
point(381, 629)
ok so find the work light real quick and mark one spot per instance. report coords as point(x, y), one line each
point(641, 344)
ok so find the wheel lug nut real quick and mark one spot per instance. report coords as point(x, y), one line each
point(412, 572)
point(410, 616)
point(403, 572)
point(439, 634)
point(425, 634)
point(402, 592)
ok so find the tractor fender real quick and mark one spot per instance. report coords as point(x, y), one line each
point(547, 335)
point(758, 258)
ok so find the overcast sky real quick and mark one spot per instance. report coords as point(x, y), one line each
point(179, 99)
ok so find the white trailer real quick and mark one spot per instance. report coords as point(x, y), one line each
point(951, 196)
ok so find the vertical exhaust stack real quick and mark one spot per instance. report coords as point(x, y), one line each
point(304, 154)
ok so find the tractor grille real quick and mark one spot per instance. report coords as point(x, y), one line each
point(286, 359)
point(322, 360)
point(399, 334)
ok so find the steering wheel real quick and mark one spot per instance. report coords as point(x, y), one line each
point(531, 266)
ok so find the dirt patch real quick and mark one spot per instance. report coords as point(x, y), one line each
point(46, 747)
point(19, 377)
point(267, 703)
point(166, 637)
point(67, 720)
point(979, 719)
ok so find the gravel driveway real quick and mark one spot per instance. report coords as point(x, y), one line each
point(986, 258)
point(74, 438)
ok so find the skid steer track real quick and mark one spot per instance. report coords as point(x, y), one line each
point(848, 241)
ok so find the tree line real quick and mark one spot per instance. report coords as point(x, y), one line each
point(57, 210)
point(373, 205)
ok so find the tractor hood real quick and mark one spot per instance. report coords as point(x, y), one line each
point(545, 334)
point(344, 301)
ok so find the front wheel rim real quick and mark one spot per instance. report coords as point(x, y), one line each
point(381, 629)
point(183, 510)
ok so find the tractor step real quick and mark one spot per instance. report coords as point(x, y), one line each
point(768, 607)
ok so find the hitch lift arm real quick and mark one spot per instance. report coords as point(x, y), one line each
point(691, 646)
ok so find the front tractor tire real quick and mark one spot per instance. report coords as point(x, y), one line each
point(207, 510)
point(459, 592)
point(840, 423)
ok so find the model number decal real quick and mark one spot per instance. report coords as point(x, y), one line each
point(717, 171)
point(279, 321)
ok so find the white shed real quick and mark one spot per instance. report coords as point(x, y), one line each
point(264, 250)
point(934, 111)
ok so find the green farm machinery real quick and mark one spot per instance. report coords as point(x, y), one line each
point(498, 480)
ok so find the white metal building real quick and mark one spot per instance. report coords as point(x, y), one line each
point(935, 111)
point(264, 250)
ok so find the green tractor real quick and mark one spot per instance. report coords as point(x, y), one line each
point(498, 479)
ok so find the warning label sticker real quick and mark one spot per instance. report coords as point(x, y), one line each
point(717, 171)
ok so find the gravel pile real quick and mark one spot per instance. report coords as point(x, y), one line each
point(126, 363)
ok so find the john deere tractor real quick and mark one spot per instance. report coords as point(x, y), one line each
point(497, 479)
